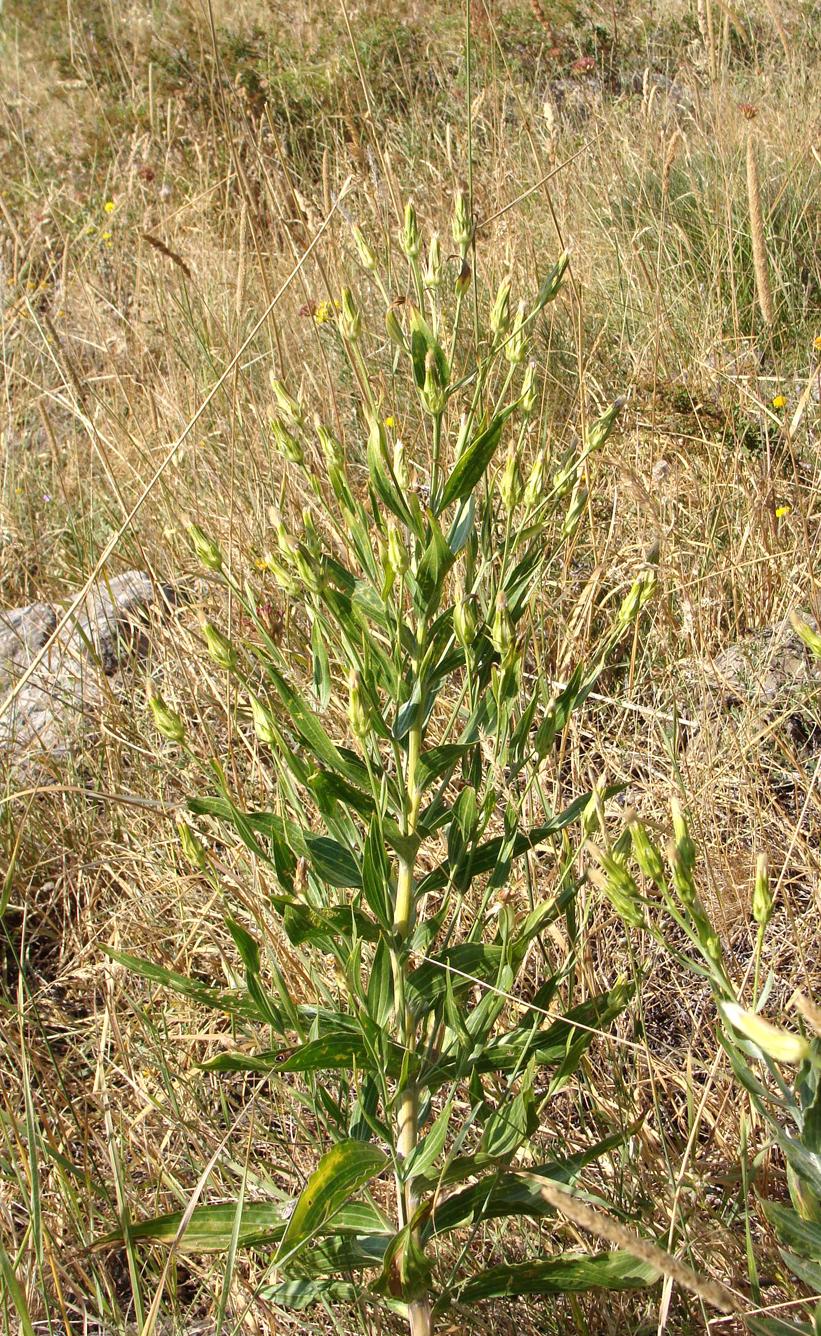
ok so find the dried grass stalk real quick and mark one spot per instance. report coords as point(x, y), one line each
point(762, 276)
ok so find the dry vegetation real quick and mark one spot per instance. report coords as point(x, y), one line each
point(166, 170)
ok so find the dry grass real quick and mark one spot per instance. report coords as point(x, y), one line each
point(223, 146)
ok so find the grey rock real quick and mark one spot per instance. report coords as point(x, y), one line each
point(60, 701)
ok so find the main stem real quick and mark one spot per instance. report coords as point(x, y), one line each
point(403, 917)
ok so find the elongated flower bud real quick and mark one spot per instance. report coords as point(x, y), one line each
point(618, 885)
point(462, 228)
point(433, 268)
point(500, 314)
point(350, 321)
point(433, 391)
point(366, 256)
point(288, 406)
point(529, 396)
point(811, 638)
point(397, 552)
point(358, 712)
point(598, 433)
point(205, 548)
point(534, 488)
point(395, 331)
point(264, 726)
point(645, 852)
point(219, 647)
point(780, 1045)
point(510, 482)
point(286, 442)
point(166, 720)
point(502, 633)
point(640, 592)
point(464, 620)
point(575, 510)
point(411, 237)
point(463, 279)
point(553, 282)
point(762, 895)
point(192, 848)
point(517, 342)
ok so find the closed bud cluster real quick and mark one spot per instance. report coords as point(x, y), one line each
point(205, 548)
point(464, 620)
point(510, 480)
point(285, 542)
point(502, 633)
point(166, 720)
point(528, 400)
point(645, 852)
point(575, 510)
point(397, 552)
point(411, 237)
point(553, 282)
point(286, 442)
point(500, 314)
point(641, 591)
point(392, 325)
point(264, 726)
point(219, 647)
point(762, 895)
point(349, 320)
point(358, 712)
point(433, 269)
point(516, 345)
point(534, 487)
point(288, 406)
point(619, 887)
point(433, 391)
point(461, 229)
point(682, 877)
point(366, 256)
point(192, 848)
point(598, 433)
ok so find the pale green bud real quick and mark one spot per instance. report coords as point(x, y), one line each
point(330, 446)
point(400, 464)
point(529, 394)
point(502, 633)
point(641, 591)
point(598, 433)
point(780, 1045)
point(433, 391)
point(287, 405)
point(553, 282)
point(575, 510)
point(762, 895)
point(366, 256)
point(811, 638)
point(286, 442)
point(411, 237)
point(286, 544)
point(619, 887)
point(645, 852)
point(464, 620)
point(350, 321)
point(166, 720)
point(205, 548)
point(358, 712)
point(500, 314)
point(517, 343)
point(534, 488)
point(395, 331)
point(192, 848)
point(462, 228)
point(397, 552)
point(264, 726)
point(433, 268)
point(219, 647)
point(510, 482)
point(684, 843)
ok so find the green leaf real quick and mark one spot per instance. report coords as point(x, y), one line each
point(321, 667)
point(346, 1167)
point(437, 560)
point(495, 1196)
point(474, 460)
point(322, 927)
point(427, 1151)
point(303, 719)
point(437, 761)
point(298, 1295)
point(249, 951)
point(567, 1273)
point(380, 986)
point(376, 886)
point(509, 1126)
point(465, 963)
point(231, 1003)
point(332, 862)
point(803, 1236)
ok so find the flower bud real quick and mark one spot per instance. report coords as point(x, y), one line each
point(684, 843)
point(358, 712)
point(640, 592)
point(397, 552)
point(575, 510)
point(285, 543)
point(464, 620)
point(618, 885)
point(288, 406)
point(502, 634)
point(395, 331)
point(510, 482)
point(598, 433)
point(462, 228)
point(349, 320)
point(463, 279)
point(534, 488)
point(500, 314)
point(366, 256)
point(528, 400)
point(645, 852)
point(400, 464)
point(192, 848)
point(205, 548)
point(411, 237)
point(264, 726)
point(780, 1045)
point(553, 282)
point(811, 638)
point(517, 342)
point(762, 895)
point(433, 269)
point(166, 720)
point(219, 647)
point(286, 443)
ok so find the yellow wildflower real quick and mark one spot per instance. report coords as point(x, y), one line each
point(109, 206)
point(390, 422)
point(105, 236)
point(323, 313)
point(781, 511)
point(779, 401)
point(817, 343)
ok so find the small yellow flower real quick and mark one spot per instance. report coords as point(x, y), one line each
point(816, 343)
point(105, 236)
point(779, 401)
point(781, 511)
point(390, 422)
point(323, 313)
point(109, 206)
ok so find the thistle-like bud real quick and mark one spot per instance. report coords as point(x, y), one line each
point(433, 269)
point(397, 552)
point(286, 442)
point(500, 314)
point(264, 726)
point(166, 720)
point(462, 228)
point(219, 647)
point(464, 620)
point(517, 343)
point(528, 400)
point(288, 406)
point(192, 848)
point(762, 895)
point(510, 481)
point(349, 321)
point(645, 852)
point(502, 633)
point(205, 548)
point(366, 256)
point(411, 236)
point(433, 391)
point(358, 712)
point(534, 487)
point(395, 331)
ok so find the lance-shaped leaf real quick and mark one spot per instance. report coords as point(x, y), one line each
point(297, 1295)
point(346, 1168)
point(432, 571)
point(472, 464)
point(567, 1273)
point(231, 1003)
